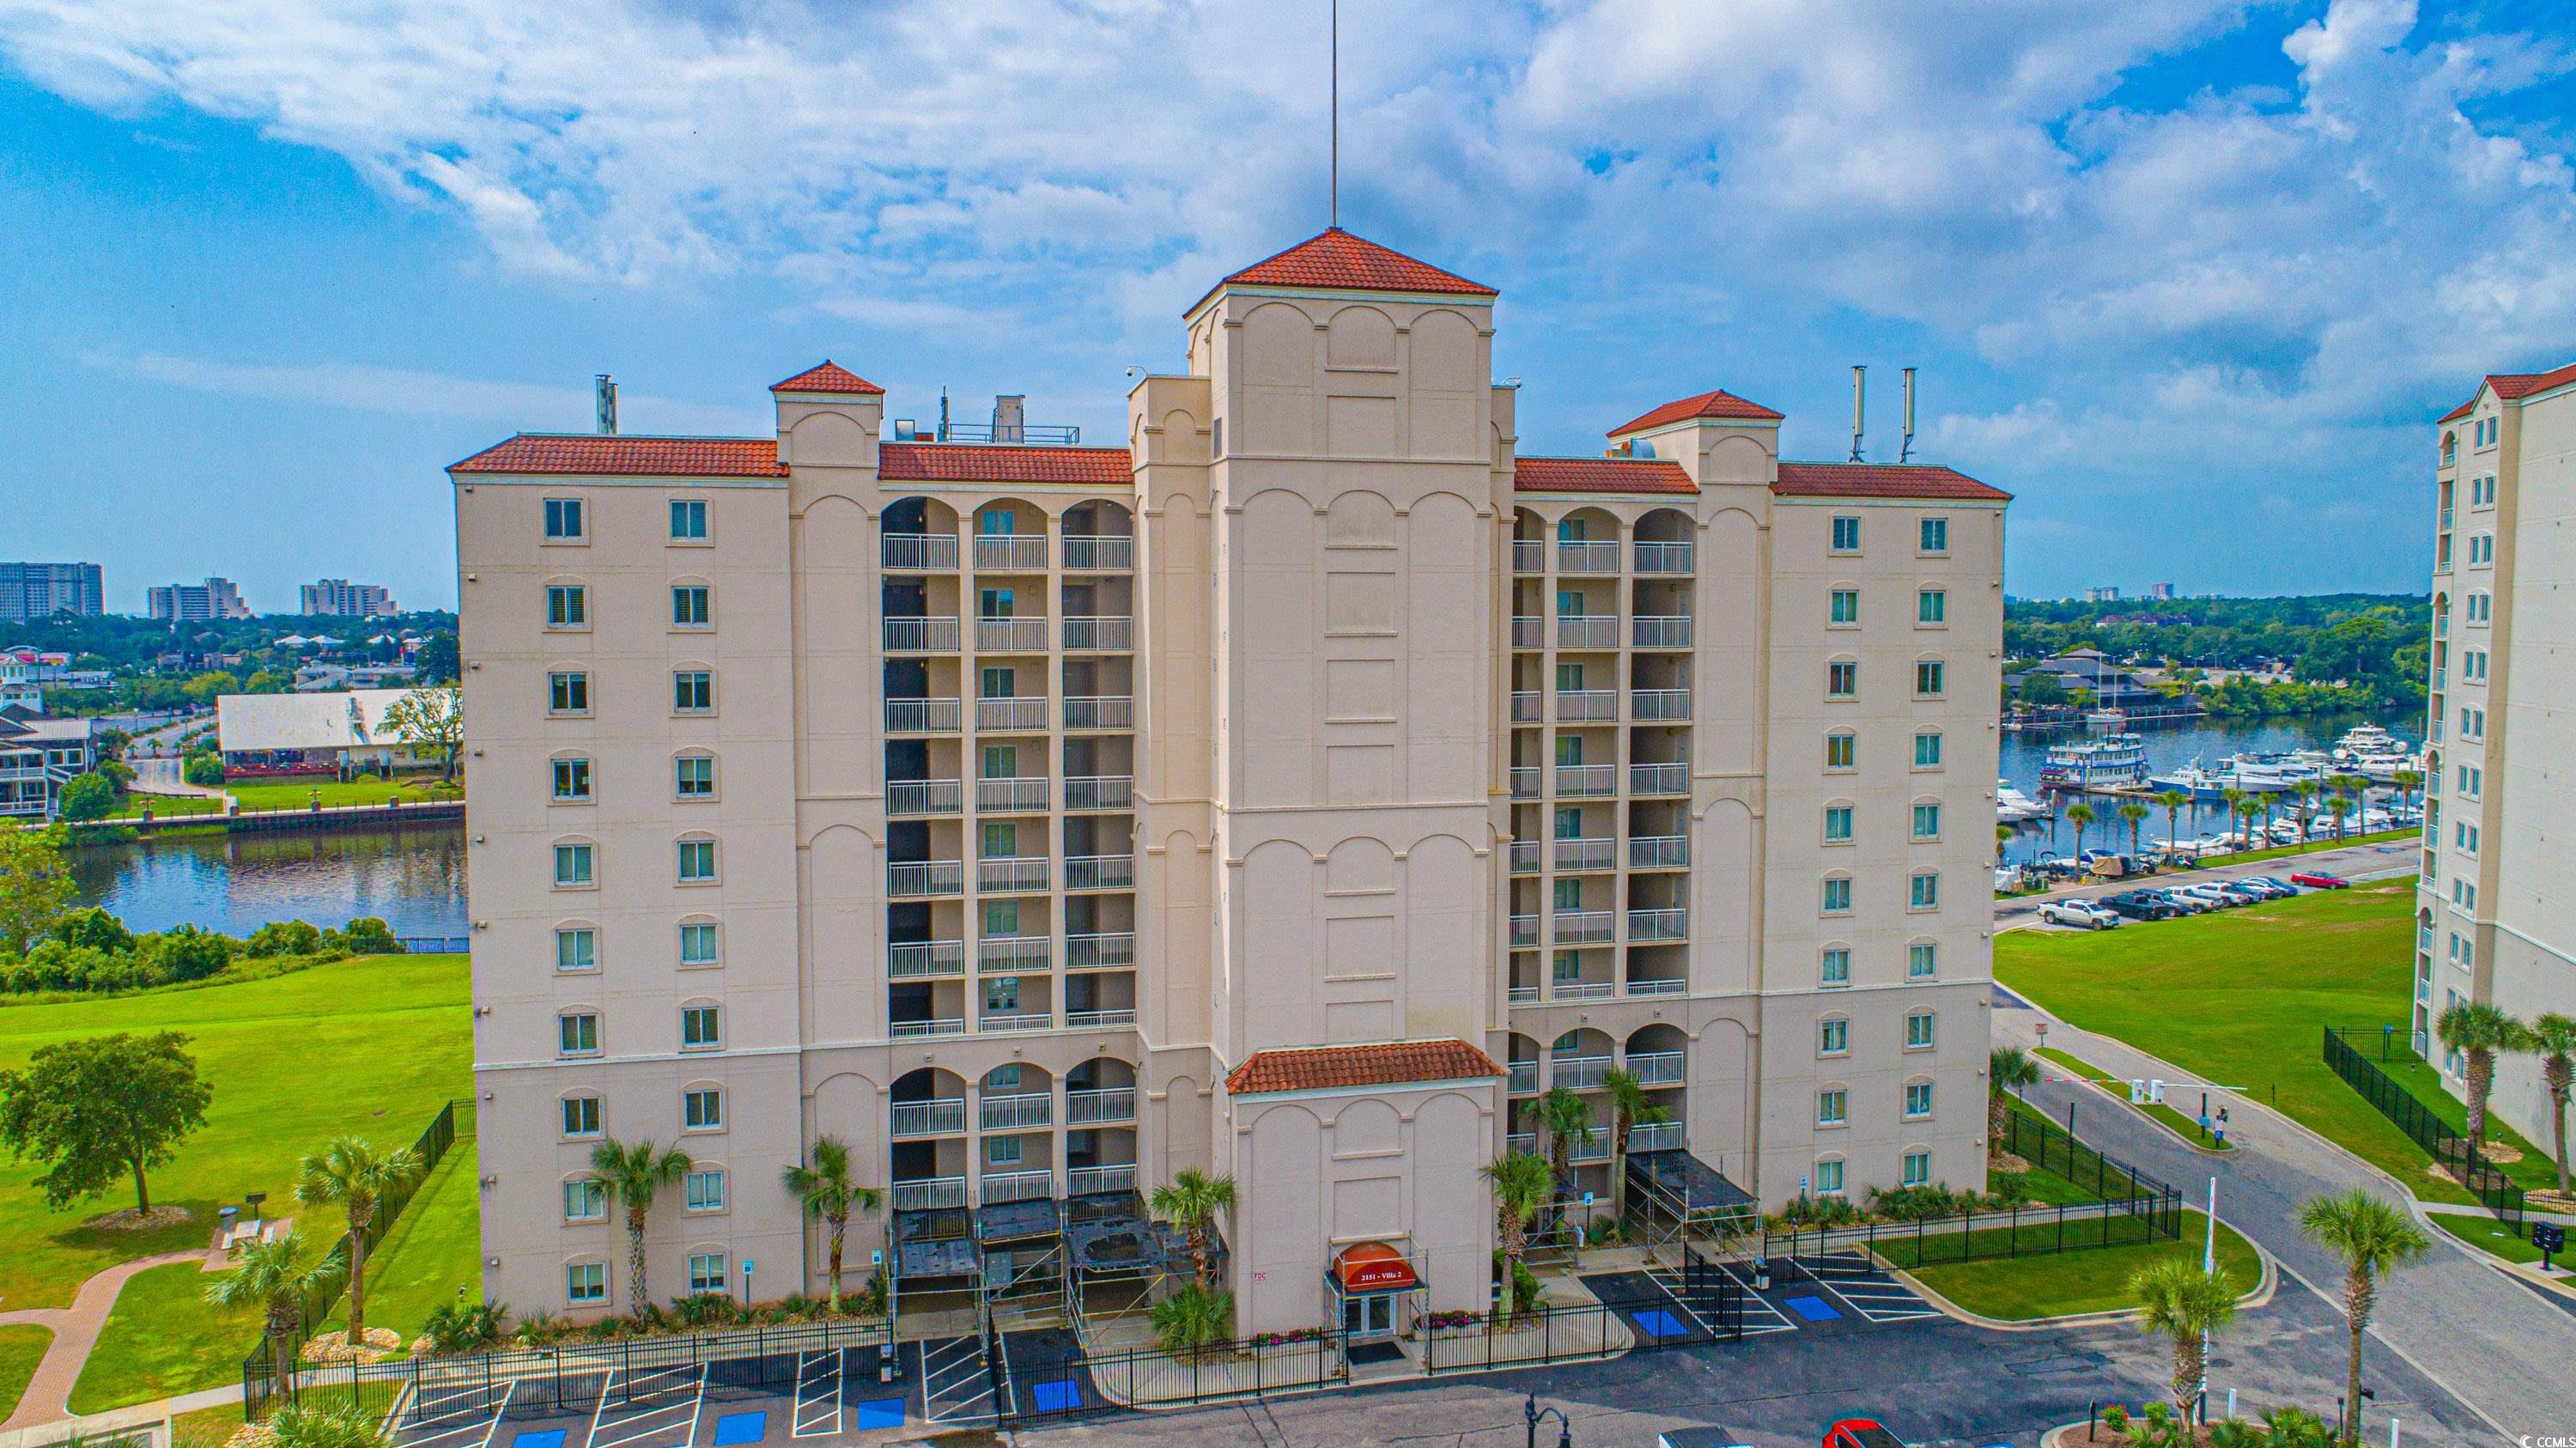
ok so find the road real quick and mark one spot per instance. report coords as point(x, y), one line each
point(2503, 1345)
point(2349, 861)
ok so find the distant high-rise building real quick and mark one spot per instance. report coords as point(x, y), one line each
point(2107, 593)
point(339, 598)
point(40, 590)
point(196, 602)
point(2160, 590)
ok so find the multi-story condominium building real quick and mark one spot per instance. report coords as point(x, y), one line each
point(41, 590)
point(38, 756)
point(1295, 791)
point(339, 598)
point(196, 602)
point(2496, 921)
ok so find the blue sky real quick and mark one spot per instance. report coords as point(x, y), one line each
point(2191, 278)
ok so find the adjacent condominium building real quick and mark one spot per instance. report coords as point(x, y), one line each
point(2496, 920)
point(196, 602)
point(31, 591)
point(1295, 791)
point(339, 598)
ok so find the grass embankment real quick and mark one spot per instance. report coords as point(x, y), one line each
point(2243, 997)
point(278, 794)
point(2535, 1172)
point(294, 1060)
point(435, 1248)
point(2489, 1235)
point(2284, 852)
point(21, 1348)
point(2156, 1111)
point(2091, 1279)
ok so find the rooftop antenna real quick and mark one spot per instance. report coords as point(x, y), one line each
point(1333, 204)
point(1858, 372)
point(604, 392)
point(943, 414)
point(1907, 451)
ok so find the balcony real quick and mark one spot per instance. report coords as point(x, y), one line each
point(1649, 705)
point(1100, 1020)
point(920, 1029)
point(1099, 553)
point(2439, 675)
point(1583, 856)
point(1529, 631)
point(943, 1117)
point(1657, 1068)
point(1659, 852)
point(1017, 795)
point(1112, 1107)
point(1019, 1111)
point(1100, 792)
point(1085, 1181)
point(1010, 715)
point(1010, 553)
point(1529, 557)
point(913, 879)
point(1111, 950)
point(1100, 711)
point(1017, 1186)
point(1582, 927)
point(914, 959)
point(1586, 781)
point(1582, 990)
point(1099, 634)
point(1526, 708)
point(1665, 560)
point(1587, 558)
point(1525, 781)
point(1661, 778)
point(1013, 954)
point(1657, 925)
point(1015, 635)
point(1524, 931)
point(1588, 631)
point(1662, 631)
point(1523, 1080)
point(1524, 857)
point(1014, 1023)
point(1577, 1073)
point(2446, 518)
point(1657, 985)
point(1593, 1145)
point(920, 552)
point(923, 1194)
point(921, 635)
point(924, 716)
point(1012, 875)
point(1582, 705)
point(1524, 1142)
point(1100, 872)
point(925, 796)
point(1521, 995)
point(1654, 1136)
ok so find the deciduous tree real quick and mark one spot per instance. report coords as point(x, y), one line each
point(102, 1108)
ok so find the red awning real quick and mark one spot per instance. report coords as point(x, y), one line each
point(1374, 1267)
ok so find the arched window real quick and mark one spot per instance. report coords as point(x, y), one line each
point(576, 945)
point(1833, 1036)
point(697, 859)
point(693, 776)
point(701, 942)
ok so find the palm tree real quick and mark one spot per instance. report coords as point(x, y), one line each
point(2188, 1306)
point(2373, 1238)
point(1523, 1186)
point(2479, 1030)
point(2246, 810)
point(2235, 799)
point(349, 1172)
point(2306, 790)
point(2352, 796)
point(272, 1277)
point(2135, 814)
point(2553, 1040)
point(1568, 1119)
point(830, 1194)
point(2173, 800)
point(633, 1176)
point(2407, 781)
point(2008, 1068)
point(1192, 1201)
point(1629, 1109)
point(2338, 807)
point(2082, 815)
point(1190, 1319)
point(2003, 838)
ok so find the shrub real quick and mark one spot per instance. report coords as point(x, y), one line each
point(368, 935)
point(205, 770)
point(187, 953)
point(2007, 1188)
point(313, 1425)
point(462, 1326)
point(1914, 1204)
point(1819, 1212)
point(90, 797)
point(283, 937)
point(95, 928)
point(871, 1299)
point(1192, 1320)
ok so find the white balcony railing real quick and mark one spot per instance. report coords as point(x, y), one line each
point(1010, 552)
point(1017, 1186)
point(1528, 631)
point(1521, 995)
point(1524, 930)
point(1645, 705)
point(945, 1116)
point(1657, 985)
point(1670, 924)
point(1100, 872)
point(1668, 778)
point(1110, 950)
point(1016, 795)
point(1100, 791)
point(1524, 857)
point(920, 552)
point(1654, 1136)
point(1110, 1106)
point(1598, 558)
point(1526, 706)
point(1667, 559)
point(1580, 855)
point(1582, 990)
point(1012, 875)
point(1100, 634)
point(921, 635)
point(1013, 954)
point(1662, 631)
point(1529, 556)
point(1593, 1145)
point(1100, 1020)
point(923, 1194)
point(1656, 1068)
point(1100, 711)
point(1588, 631)
point(1525, 781)
point(913, 878)
point(1658, 852)
point(1099, 553)
point(1581, 927)
point(924, 716)
point(924, 796)
point(1524, 1142)
point(1018, 1111)
point(1084, 1181)
point(1011, 714)
point(1014, 635)
point(931, 1026)
point(912, 959)
point(1582, 705)
point(1014, 1023)
point(1523, 1080)
point(1577, 1073)
point(1586, 781)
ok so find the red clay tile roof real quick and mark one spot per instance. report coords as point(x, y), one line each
point(2461, 411)
point(1343, 262)
point(830, 376)
point(2514, 386)
point(1707, 404)
point(936, 462)
point(573, 454)
point(1601, 475)
point(1322, 1068)
point(1883, 480)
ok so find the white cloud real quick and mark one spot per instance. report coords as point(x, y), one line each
point(427, 394)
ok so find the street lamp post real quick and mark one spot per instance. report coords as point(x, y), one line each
point(1533, 1414)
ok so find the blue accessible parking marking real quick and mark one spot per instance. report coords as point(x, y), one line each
point(1061, 1396)
point(1659, 1323)
point(737, 1428)
point(1813, 1309)
point(879, 1412)
point(539, 1438)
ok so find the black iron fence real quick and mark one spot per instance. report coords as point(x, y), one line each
point(2499, 1193)
point(2051, 1147)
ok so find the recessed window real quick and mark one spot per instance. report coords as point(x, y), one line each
point(1927, 749)
point(1935, 537)
point(577, 948)
point(1835, 966)
point(1840, 750)
point(1918, 1031)
point(573, 867)
point(1925, 892)
point(698, 944)
point(1922, 960)
point(707, 1272)
point(691, 606)
point(1002, 995)
point(581, 1116)
point(1829, 1178)
point(577, 1033)
point(1927, 822)
point(568, 692)
point(1846, 533)
point(572, 781)
point(1918, 1169)
point(586, 1283)
point(564, 520)
point(1842, 679)
point(702, 1108)
point(697, 862)
point(1833, 1037)
point(1838, 895)
point(1833, 1106)
point(704, 1191)
point(567, 606)
point(1845, 609)
point(585, 1200)
point(693, 691)
point(1918, 1100)
point(688, 520)
point(701, 1028)
point(1929, 678)
point(694, 776)
point(1931, 605)
point(1003, 1151)
point(1838, 824)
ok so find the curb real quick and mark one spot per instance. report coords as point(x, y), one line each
point(2259, 1295)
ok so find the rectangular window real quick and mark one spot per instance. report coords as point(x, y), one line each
point(998, 683)
point(1002, 1151)
point(563, 519)
point(572, 779)
point(690, 606)
point(1927, 822)
point(1001, 761)
point(1001, 917)
point(706, 1270)
point(1927, 891)
point(688, 520)
point(1918, 1099)
point(581, 1116)
point(1922, 961)
point(1846, 606)
point(1569, 895)
point(704, 1191)
point(1832, 1107)
point(1569, 603)
point(1839, 751)
point(1002, 994)
point(694, 776)
point(1838, 824)
point(996, 523)
point(701, 1028)
point(1002, 1078)
point(1001, 840)
point(1846, 536)
point(1829, 1178)
point(567, 606)
point(1569, 749)
point(1936, 536)
point(572, 866)
point(1573, 530)
point(577, 949)
point(995, 603)
point(1842, 679)
point(1567, 966)
point(577, 1033)
point(585, 1200)
point(1569, 822)
point(698, 945)
point(1927, 678)
point(1931, 605)
point(702, 1109)
point(1836, 967)
point(1918, 1169)
point(1569, 678)
point(697, 861)
point(1918, 1031)
point(1833, 1038)
point(1927, 749)
point(1838, 896)
point(693, 691)
point(586, 1282)
point(568, 693)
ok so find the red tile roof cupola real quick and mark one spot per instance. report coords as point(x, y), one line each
point(829, 377)
point(1717, 404)
point(1335, 260)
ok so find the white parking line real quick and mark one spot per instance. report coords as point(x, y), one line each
point(656, 1418)
point(814, 1379)
point(1753, 1303)
point(1878, 1299)
point(477, 1432)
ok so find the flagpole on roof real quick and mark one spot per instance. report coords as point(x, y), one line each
point(1333, 205)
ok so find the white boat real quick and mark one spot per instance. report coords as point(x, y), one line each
point(2013, 807)
point(2109, 757)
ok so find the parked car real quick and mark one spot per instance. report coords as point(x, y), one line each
point(1860, 1433)
point(2215, 894)
point(2186, 904)
point(2316, 881)
point(2142, 905)
point(2241, 892)
point(2082, 914)
point(2267, 887)
point(2283, 888)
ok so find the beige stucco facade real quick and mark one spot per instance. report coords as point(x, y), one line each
point(1050, 788)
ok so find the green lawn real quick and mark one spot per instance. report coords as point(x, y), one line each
point(434, 1248)
point(164, 806)
point(2281, 852)
point(2050, 1187)
point(163, 1338)
point(2535, 1172)
point(21, 1348)
point(2186, 1127)
point(2489, 1235)
point(299, 793)
point(2242, 997)
point(2094, 1279)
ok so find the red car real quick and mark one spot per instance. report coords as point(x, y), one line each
point(2322, 882)
point(1860, 1433)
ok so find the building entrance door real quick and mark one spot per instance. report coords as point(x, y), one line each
point(1368, 1316)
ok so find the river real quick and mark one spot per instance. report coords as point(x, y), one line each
point(412, 877)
